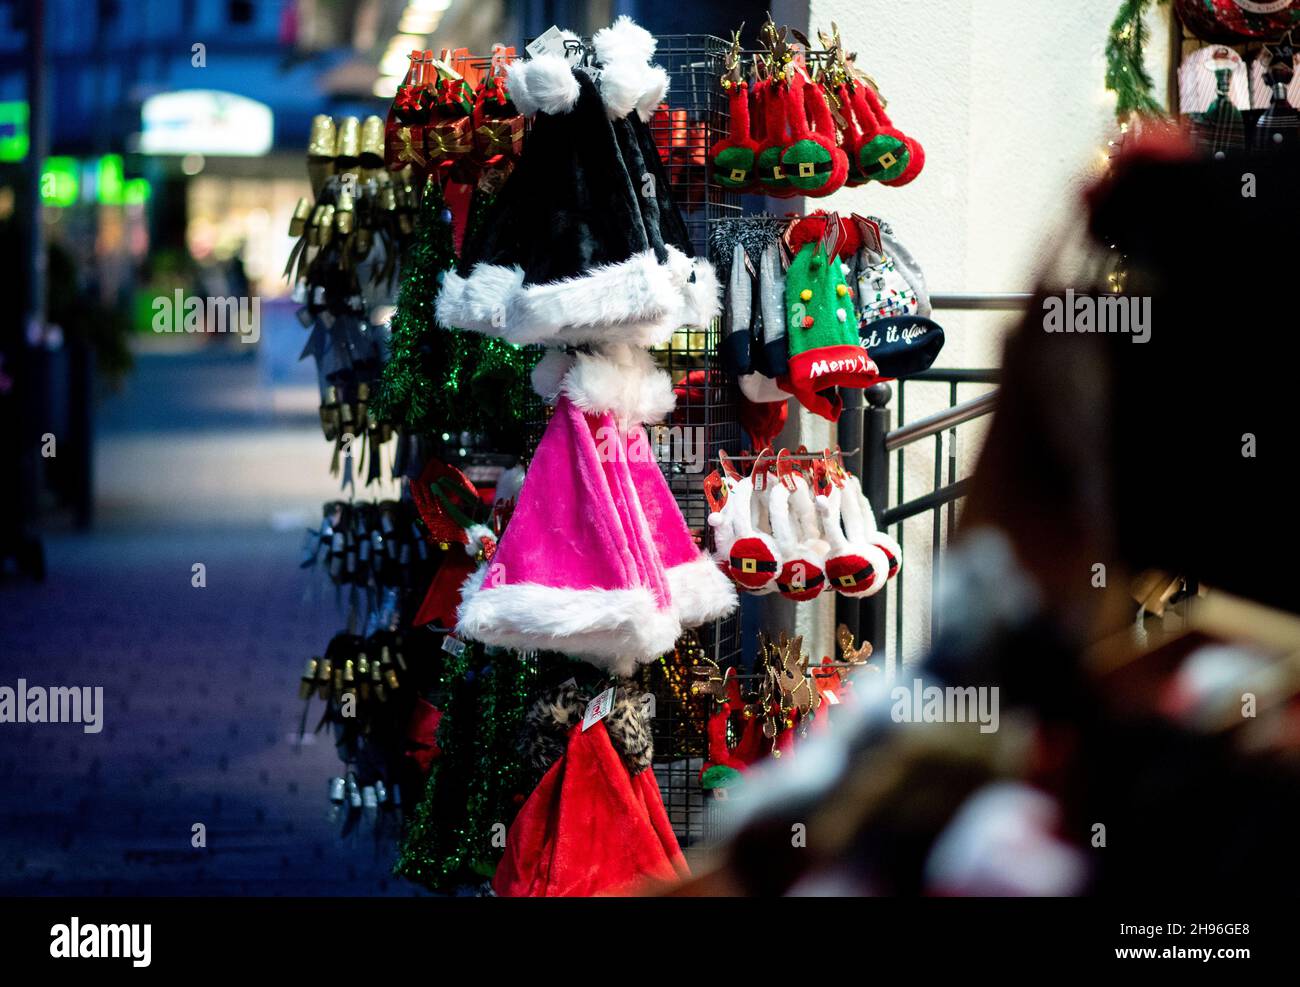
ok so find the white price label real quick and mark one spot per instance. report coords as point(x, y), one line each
point(598, 709)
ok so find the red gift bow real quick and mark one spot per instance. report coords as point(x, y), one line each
point(409, 102)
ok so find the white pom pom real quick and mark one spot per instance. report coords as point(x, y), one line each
point(620, 88)
point(654, 89)
point(544, 84)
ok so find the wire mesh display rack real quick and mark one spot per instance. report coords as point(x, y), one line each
point(705, 421)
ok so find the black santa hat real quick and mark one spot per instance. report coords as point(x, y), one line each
point(584, 243)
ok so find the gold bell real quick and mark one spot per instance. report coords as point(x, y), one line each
point(313, 229)
point(372, 142)
point(308, 679)
point(324, 137)
point(348, 147)
point(343, 213)
point(298, 222)
point(320, 150)
point(324, 224)
point(323, 675)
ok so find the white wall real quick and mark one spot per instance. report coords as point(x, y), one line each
point(1008, 99)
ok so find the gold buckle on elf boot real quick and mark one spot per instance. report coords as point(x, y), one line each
point(738, 174)
point(887, 160)
point(807, 169)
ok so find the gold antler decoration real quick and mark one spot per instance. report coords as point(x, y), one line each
point(733, 75)
point(712, 680)
point(849, 654)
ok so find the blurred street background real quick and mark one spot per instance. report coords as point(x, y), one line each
point(149, 147)
point(204, 456)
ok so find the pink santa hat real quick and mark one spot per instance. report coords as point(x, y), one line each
point(597, 561)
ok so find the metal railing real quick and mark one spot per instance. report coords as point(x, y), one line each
point(865, 427)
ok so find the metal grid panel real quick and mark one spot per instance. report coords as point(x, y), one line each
point(706, 415)
point(705, 421)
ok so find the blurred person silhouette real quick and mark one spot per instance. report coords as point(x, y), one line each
point(1122, 763)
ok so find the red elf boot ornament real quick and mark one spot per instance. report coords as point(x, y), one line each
point(916, 153)
point(733, 157)
point(882, 155)
point(813, 162)
point(774, 98)
point(771, 101)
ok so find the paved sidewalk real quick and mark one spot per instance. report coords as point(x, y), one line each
point(200, 685)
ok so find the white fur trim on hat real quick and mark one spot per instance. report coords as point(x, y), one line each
point(703, 295)
point(542, 84)
point(701, 592)
point(624, 41)
point(509, 484)
point(639, 301)
point(613, 629)
point(620, 379)
point(479, 302)
point(634, 290)
point(616, 377)
point(549, 373)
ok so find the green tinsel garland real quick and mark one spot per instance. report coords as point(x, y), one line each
point(477, 782)
point(407, 396)
point(446, 380)
point(1126, 73)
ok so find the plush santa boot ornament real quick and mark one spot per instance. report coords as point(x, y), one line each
point(860, 524)
point(803, 572)
point(855, 569)
point(749, 556)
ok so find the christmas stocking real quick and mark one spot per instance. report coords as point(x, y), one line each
point(750, 557)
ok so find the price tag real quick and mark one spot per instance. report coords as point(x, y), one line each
point(454, 646)
point(598, 709)
point(549, 42)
